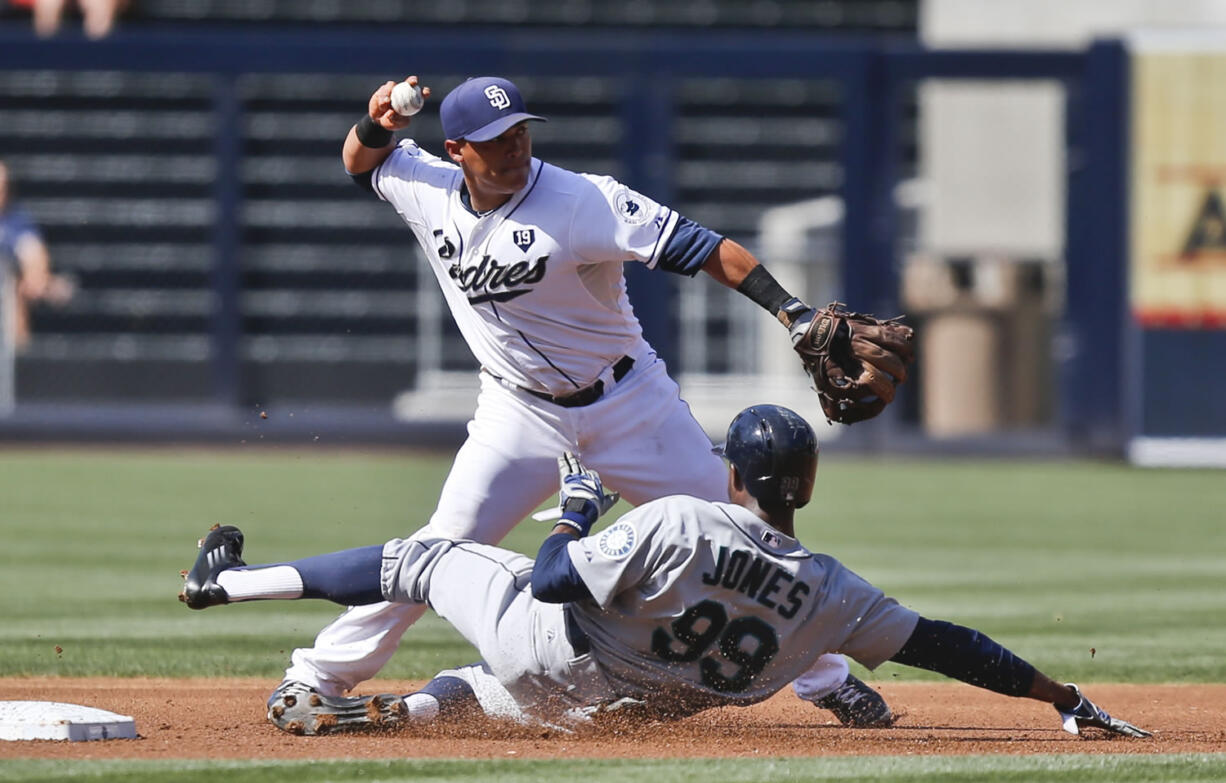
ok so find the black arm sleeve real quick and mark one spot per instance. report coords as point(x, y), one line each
point(365, 180)
point(761, 288)
point(965, 654)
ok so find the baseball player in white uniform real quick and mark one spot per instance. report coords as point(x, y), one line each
point(682, 604)
point(529, 258)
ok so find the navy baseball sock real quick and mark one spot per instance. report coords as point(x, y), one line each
point(350, 577)
point(452, 693)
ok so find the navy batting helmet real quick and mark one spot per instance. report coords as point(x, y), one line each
point(775, 452)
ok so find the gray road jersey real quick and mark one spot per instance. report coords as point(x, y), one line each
point(697, 604)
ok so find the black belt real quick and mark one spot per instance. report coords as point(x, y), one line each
point(588, 394)
point(574, 634)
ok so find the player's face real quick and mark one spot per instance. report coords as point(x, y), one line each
point(496, 168)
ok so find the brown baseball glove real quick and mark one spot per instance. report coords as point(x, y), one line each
point(856, 361)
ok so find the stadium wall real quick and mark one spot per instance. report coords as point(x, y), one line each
point(872, 78)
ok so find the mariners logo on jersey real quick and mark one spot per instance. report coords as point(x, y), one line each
point(617, 541)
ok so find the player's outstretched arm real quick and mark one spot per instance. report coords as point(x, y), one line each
point(370, 140)
point(970, 656)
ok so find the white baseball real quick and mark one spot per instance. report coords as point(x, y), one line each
point(407, 99)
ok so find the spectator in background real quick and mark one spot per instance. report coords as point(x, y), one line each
point(98, 16)
point(25, 254)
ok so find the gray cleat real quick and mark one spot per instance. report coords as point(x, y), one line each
point(297, 708)
point(857, 705)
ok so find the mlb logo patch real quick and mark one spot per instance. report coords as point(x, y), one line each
point(523, 238)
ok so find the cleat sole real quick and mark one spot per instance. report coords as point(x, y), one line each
point(319, 714)
point(325, 723)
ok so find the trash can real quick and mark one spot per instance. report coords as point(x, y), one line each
point(984, 341)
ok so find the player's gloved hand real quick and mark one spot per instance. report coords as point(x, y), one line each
point(1087, 714)
point(854, 360)
point(582, 498)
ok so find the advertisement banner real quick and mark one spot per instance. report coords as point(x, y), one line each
point(1178, 276)
point(1177, 280)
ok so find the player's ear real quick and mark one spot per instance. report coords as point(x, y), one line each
point(454, 150)
point(735, 482)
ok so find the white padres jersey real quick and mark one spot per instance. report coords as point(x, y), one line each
point(535, 286)
point(697, 604)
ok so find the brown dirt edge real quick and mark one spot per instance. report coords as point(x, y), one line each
point(224, 719)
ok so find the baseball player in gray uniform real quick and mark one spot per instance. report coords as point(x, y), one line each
point(682, 604)
point(529, 258)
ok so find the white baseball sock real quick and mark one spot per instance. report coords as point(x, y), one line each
point(275, 582)
point(423, 707)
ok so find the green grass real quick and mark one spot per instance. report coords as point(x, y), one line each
point(878, 769)
point(1052, 559)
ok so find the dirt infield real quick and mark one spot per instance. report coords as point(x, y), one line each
point(225, 719)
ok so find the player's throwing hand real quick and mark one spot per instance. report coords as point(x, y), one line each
point(381, 110)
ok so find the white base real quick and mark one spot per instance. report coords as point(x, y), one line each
point(51, 720)
point(1178, 452)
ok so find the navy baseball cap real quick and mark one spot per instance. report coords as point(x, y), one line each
point(483, 108)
